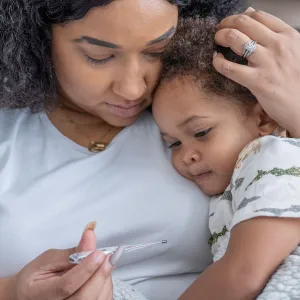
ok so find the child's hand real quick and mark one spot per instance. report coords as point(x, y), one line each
point(273, 72)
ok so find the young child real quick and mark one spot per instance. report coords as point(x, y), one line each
point(223, 141)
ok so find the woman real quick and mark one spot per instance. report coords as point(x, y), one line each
point(94, 80)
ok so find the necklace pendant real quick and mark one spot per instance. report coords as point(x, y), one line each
point(96, 146)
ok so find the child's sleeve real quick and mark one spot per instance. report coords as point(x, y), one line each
point(124, 291)
point(266, 180)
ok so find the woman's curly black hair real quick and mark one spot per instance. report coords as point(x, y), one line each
point(191, 53)
point(26, 74)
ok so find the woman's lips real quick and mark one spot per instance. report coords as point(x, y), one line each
point(125, 111)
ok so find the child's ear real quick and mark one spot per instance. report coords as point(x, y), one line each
point(265, 124)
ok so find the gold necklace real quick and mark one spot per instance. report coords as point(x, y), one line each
point(93, 146)
point(97, 146)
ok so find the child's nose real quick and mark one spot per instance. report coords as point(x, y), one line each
point(191, 157)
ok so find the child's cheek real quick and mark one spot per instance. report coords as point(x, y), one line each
point(180, 166)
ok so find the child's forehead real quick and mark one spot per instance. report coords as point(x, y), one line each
point(185, 89)
point(180, 85)
point(187, 94)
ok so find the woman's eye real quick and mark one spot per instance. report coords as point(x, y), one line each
point(174, 145)
point(202, 133)
point(99, 61)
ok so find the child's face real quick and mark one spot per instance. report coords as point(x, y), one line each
point(206, 133)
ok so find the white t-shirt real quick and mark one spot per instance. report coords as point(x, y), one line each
point(52, 187)
point(265, 183)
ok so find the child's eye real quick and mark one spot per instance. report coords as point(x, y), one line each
point(202, 133)
point(155, 54)
point(174, 145)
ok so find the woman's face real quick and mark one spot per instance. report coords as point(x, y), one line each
point(108, 62)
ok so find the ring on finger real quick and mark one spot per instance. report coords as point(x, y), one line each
point(249, 48)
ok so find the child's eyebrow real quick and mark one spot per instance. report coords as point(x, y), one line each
point(190, 119)
point(166, 136)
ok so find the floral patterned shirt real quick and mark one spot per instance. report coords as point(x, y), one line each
point(265, 182)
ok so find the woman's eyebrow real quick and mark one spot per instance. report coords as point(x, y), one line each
point(163, 37)
point(96, 42)
point(101, 43)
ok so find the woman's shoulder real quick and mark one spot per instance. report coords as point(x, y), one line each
point(145, 126)
point(10, 116)
point(16, 122)
point(145, 120)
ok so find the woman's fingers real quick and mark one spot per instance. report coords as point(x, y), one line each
point(95, 288)
point(250, 27)
point(273, 73)
point(111, 296)
point(76, 278)
point(241, 74)
point(236, 40)
point(88, 239)
point(50, 284)
point(270, 21)
point(107, 292)
point(52, 277)
point(58, 260)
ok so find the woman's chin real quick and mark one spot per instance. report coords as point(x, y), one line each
point(118, 121)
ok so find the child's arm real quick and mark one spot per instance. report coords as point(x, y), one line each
point(256, 249)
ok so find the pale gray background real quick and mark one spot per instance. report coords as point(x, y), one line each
point(288, 10)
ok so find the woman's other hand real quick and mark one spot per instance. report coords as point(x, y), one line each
point(52, 277)
point(273, 71)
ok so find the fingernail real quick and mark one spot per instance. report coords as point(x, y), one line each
point(215, 54)
point(117, 255)
point(90, 226)
point(250, 9)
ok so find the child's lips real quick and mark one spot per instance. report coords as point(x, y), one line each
point(203, 176)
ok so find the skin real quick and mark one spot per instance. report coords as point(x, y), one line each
point(51, 276)
point(279, 98)
point(107, 65)
point(245, 269)
point(205, 131)
point(272, 74)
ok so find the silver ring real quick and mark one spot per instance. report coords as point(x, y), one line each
point(249, 48)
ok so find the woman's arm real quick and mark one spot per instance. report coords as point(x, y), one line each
point(256, 249)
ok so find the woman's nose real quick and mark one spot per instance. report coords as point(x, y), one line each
point(131, 84)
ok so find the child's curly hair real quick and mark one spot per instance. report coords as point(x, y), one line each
point(191, 53)
point(27, 78)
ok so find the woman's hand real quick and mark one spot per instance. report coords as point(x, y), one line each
point(273, 71)
point(52, 277)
